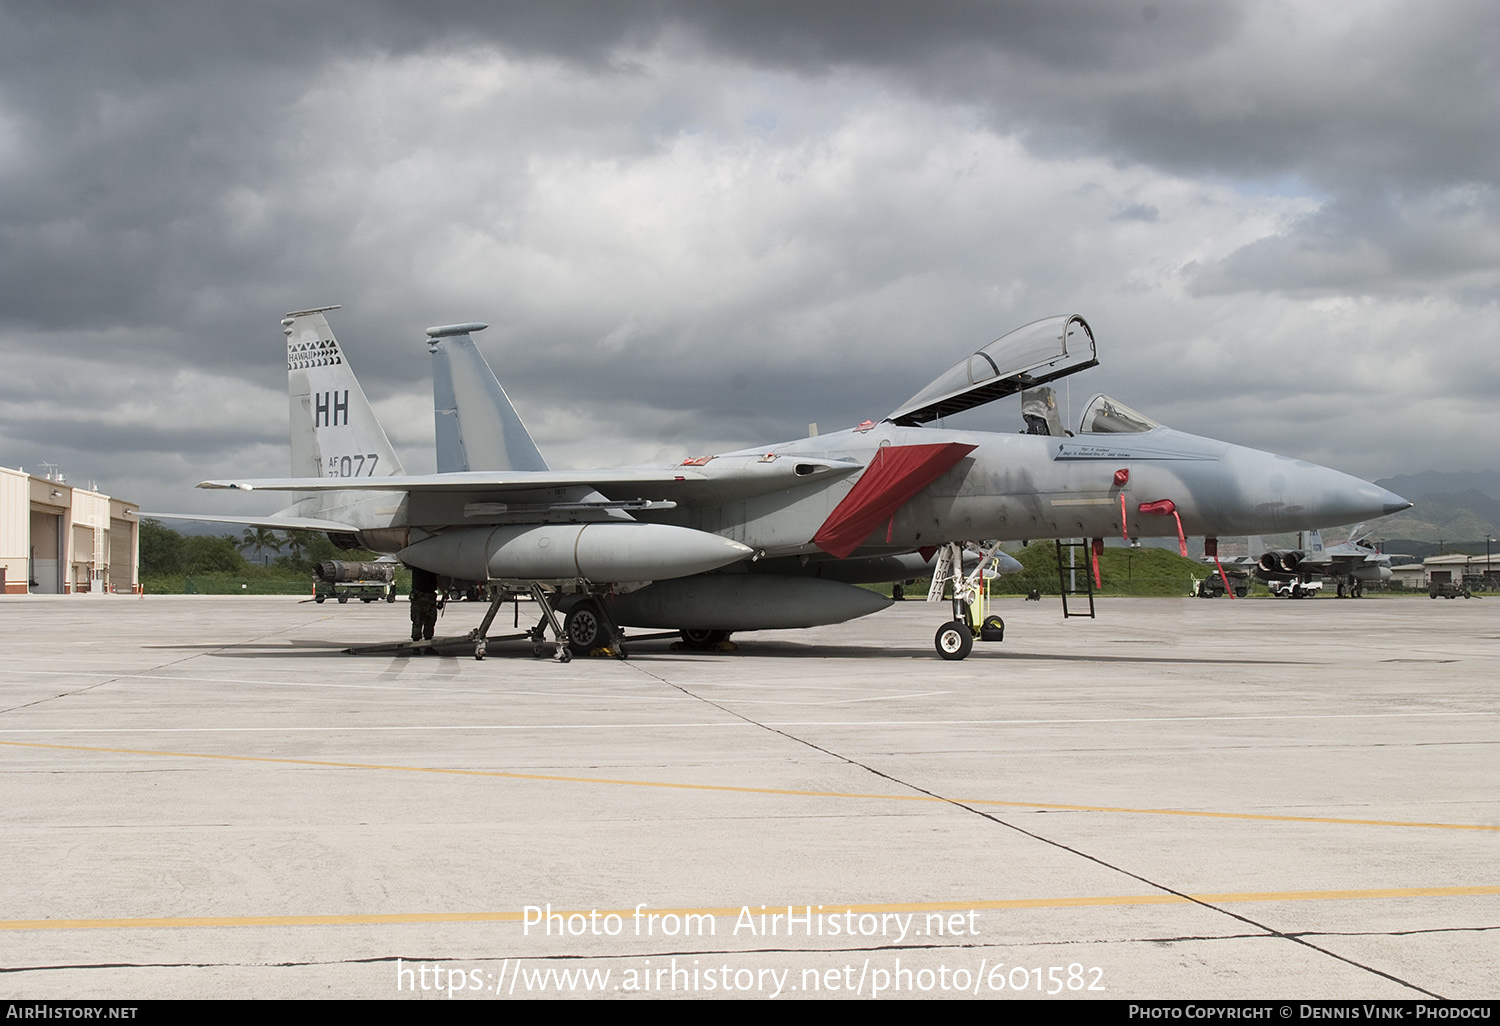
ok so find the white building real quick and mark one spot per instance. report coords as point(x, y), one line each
point(59, 540)
point(1447, 570)
point(1451, 569)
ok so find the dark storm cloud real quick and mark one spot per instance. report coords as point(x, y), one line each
point(720, 221)
point(1362, 243)
point(1346, 93)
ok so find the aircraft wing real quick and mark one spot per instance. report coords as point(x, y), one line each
point(270, 520)
point(1343, 564)
point(714, 479)
point(470, 481)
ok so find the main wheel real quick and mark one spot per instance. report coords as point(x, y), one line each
point(586, 628)
point(954, 640)
point(702, 640)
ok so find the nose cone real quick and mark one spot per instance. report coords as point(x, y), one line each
point(1394, 503)
point(1360, 498)
point(1269, 493)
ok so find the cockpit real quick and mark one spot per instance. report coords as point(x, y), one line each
point(1026, 361)
point(1104, 415)
point(1027, 358)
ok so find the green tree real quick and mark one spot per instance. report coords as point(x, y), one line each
point(212, 553)
point(161, 549)
point(260, 539)
point(298, 541)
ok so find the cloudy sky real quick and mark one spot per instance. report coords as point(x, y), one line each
point(696, 225)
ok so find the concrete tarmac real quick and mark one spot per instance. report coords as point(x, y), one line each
point(1276, 799)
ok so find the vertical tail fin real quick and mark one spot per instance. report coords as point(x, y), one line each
point(476, 425)
point(334, 430)
point(1314, 543)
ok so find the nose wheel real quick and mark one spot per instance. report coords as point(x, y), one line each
point(954, 640)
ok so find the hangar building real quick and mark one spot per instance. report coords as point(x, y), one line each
point(56, 539)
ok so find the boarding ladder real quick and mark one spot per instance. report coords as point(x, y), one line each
point(1068, 574)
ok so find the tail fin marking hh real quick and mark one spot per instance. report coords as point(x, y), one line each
point(334, 431)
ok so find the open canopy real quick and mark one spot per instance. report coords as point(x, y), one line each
point(1041, 351)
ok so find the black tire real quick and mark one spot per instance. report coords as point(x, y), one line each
point(319, 599)
point(343, 599)
point(954, 640)
point(586, 628)
point(702, 640)
point(897, 593)
point(993, 629)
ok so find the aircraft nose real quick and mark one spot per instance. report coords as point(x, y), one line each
point(1287, 494)
point(1331, 497)
point(1394, 503)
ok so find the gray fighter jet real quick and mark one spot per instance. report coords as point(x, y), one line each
point(775, 536)
point(1351, 564)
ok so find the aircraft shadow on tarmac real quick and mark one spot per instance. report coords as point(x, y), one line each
point(460, 648)
point(282, 647)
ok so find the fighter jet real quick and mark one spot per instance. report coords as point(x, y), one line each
point(1352, 564)
point(774, 536)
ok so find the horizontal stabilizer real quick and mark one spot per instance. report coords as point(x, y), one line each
point(271, 521)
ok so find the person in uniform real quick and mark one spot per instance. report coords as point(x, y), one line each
point(424, 604)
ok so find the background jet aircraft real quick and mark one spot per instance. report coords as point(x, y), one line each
point(1352, 564)
point(773, 536)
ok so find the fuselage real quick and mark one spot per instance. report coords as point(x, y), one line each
point(1022, 487)
point(1005, 487)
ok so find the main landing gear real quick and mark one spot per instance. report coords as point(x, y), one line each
point(586, 628)
point(704, 640)
point(590, 629)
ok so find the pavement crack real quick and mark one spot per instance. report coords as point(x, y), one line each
point(1269, 931)
point(148, 670)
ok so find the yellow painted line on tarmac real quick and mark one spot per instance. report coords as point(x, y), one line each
point(738, 789)
point(642, 915)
